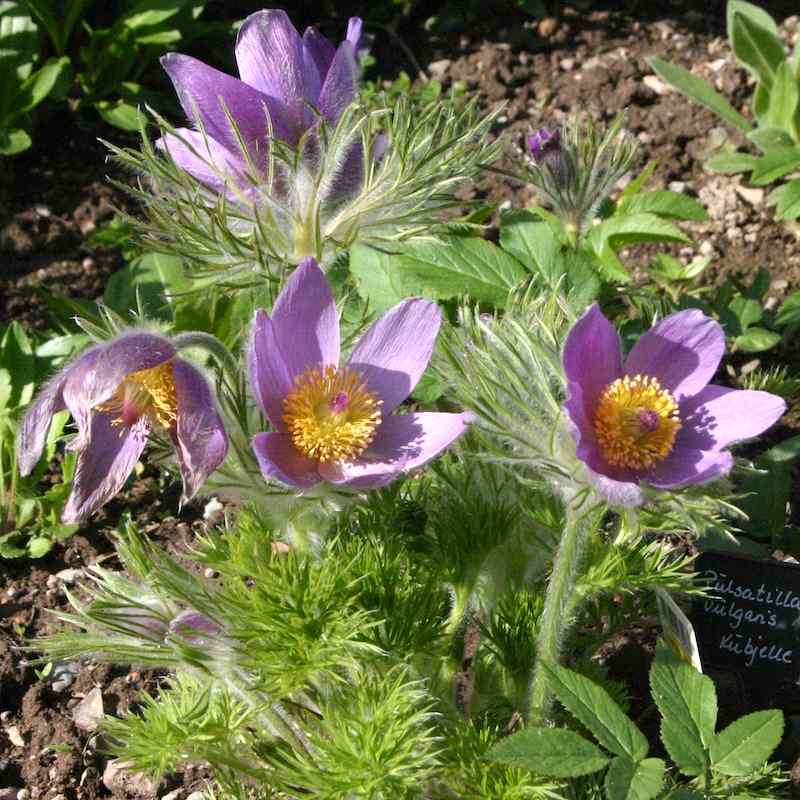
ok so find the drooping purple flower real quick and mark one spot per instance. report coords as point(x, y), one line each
point(544, 141)
point(335, 423)
point(117, 392)
point(283, 78)
point(655, 419)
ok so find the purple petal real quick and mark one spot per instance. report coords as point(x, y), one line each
point(205, 93)
point(104, 463)
point(354, 26)
point(36, 422)
point(716, 416)
point(207, 160)
point(95, 378)
point(686, 466)
point(683, 351)
point(305, 321)
point(270, 379)
point(403, 442)
point(199, 436)
point(394, 352)
point(281, 461)
point(269, 54)
point(341, 83)
point(592, 360)
point(319, 52)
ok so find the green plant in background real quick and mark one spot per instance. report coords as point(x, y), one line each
point(733, 761)
point(775, 105)
point(26, 79)
point(30, 519)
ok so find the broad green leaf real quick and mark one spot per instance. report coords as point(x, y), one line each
point(775, 164)
point(631, 780)
point(788, 450)
point(741, 313)
point(757, 340)
point(555, 752)
point(13, 142)
point(746, 744)
point(16, 356)
point(731, 163)
point(152, 281)
point(592, 705)
point(687, 702)
point(635, 186)
point(783, 99)
point(456, 266)
point(39, 546)
point(633, 229)
point(668, 204)
point(754, 12)
point(789, 312)
point(150, 13)
point(57, 72)
point(122, 115)
point(756, 45)
point(534, 244)
point(786, 200)
point(12, 545)
point(377, 279)
point(769, 139)
point(698, 90)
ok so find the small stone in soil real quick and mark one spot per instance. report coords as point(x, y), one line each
point(15, 736)
point(69, 576)
point(175, 795)
point(64, 673)
point(8, 793)
point(119, 779)
point(196, 796)
point(88, 714)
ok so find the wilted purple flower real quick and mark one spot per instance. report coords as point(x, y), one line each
point(335, 423)
point(117, 392)
point(655, 419)
point(544, 141)
point(282, 77)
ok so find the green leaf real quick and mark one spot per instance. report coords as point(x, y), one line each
point(786, 200)
point(769, 138)
point(12, 545)
point(150, 284)
point(39, 546)
point(698, 90)
point(687, 702)
point(377, 281)
point(754, 12)
point(757, 340)
point(668, 204)
point(456, 266)
point(534, 243)
point(55, 74)
point(629, 780)
point(16, 356)
point(783, 99)
point(555, 752)
point(746, 744)
point(775, 164)
point(14, 142)
point(789, 312)
point(120, 114)
point(593, 706)
point(731, 163)
point(755, 43)
point(619, 232)
point(150, 13)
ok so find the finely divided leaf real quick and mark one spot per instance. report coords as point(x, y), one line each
point(747, 743)
point(592, 705)
point(555, 752)
point(687, 701)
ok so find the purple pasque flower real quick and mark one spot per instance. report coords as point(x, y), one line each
point(655, 418)
point(544, 141)
point(335, 423)
point(282, 76)
point(117, 392)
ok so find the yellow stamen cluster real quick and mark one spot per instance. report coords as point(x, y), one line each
point(330, 414)
point(636, 422)
point(146, 393)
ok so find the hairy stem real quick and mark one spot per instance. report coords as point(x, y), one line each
point(211, 345)
point(556, 621)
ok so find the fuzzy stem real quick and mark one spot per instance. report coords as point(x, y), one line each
point(211, 345)
point(556, 619)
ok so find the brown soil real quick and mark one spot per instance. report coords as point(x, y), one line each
point(53, 197)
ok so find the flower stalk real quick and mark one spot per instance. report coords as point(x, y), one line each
point(560, 602)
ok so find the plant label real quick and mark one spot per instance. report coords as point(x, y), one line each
point(750, 627)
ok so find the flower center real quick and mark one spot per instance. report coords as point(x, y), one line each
point(636, 422)
point(147, 393)
point(330, 414)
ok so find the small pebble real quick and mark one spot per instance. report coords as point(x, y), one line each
point(52, 581)
point(88, 714)
point(176, 795)
point(15, 736)
point(69, 576)
point(23, 794)
point(5, 716)
point(209, 573)
point(12, 592)
point(196, 796)
point(64, 674)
